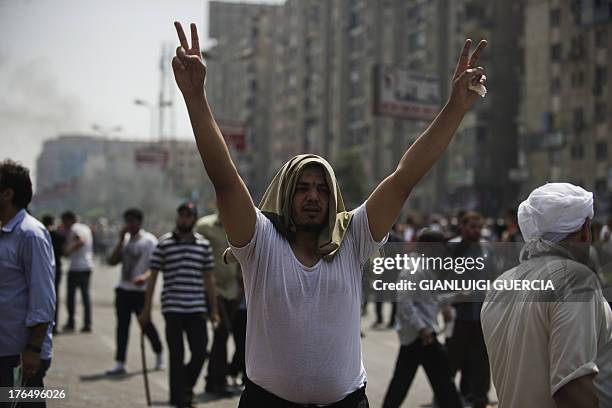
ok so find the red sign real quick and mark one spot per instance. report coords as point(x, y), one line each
point(234, 134)
point(152, 155)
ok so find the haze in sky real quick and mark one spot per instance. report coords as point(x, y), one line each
point(66, 65)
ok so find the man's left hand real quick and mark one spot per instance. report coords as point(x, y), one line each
point(140, 279)
point(30, 363)
point(214, 318)
point(466, 73)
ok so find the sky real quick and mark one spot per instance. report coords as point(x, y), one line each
point(66, 65)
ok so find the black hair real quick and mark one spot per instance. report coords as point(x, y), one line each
point(133, 213)
point(47, 220)
point(16, 177)
point(69, 216)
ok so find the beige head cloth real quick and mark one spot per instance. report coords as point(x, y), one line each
point(277, 202)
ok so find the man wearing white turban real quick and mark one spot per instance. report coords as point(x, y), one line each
point(554, 348)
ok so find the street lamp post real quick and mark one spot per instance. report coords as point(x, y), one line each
point(150, 107)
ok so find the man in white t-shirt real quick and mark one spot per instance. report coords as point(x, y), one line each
point(134, 250)
point(79, 250)
point(551, 349)
point(302, 253)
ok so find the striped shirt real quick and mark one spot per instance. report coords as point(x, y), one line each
point(183, 264)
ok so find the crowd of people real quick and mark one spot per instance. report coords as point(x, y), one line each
point(32, 255)
point(295, 264)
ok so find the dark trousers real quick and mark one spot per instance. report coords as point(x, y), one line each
point(79, 280)
point(217, 363)
point(184, 376)
point(58, 280)
point(238, 365)
point(467, 352)
point(126, 303)
point(434, 360)
point(379, 316)
point(7, 364)
point(254, 396)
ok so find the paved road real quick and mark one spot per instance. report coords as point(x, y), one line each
point(80, 360)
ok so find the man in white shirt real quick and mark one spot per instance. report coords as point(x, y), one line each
point(302, 253)
point(134, 250)
point(554, 348)
point(79, 250)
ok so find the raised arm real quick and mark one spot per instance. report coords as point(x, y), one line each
point(387, 200)
point(236, 207)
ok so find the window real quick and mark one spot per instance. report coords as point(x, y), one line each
point(601, 75)
point(554, 157)
point(548, 121)
point(601, 38)
point(601, 186)
point(601, 110)
point(579, 119)
point(416, 40)
point(601, 151)
point(577, 49)
point(415, 13)
point(576, 10)
point(555, 17)
point(556, 52)
point(577, 151)
point(577, 79)
point(555, 86)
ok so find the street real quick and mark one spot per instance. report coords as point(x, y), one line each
point(80, 360)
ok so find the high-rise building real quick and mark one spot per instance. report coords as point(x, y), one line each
point(566, 104)
point(239, 77)
point(320, 96)
point(484, 149)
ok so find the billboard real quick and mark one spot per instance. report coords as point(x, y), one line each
point(152, 155)
point(405, 94)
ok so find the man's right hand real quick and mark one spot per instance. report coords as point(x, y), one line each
point(144, 318)
point(426, 336)
point(122, 233)
point(189, 69)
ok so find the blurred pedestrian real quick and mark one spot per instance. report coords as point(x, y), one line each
point(79, 249)
point(133, 250)
point(58, 240)
point(186, 261)
point(418, 329)
point(211, 228)
point(466, 347)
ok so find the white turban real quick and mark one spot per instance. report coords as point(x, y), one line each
point(553, 211)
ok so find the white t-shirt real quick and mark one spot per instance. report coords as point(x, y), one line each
point(135, 257)
point(303, 331)
point(535, 348)
point(81, 260)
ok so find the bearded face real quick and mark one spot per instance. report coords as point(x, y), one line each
point(311, 200)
